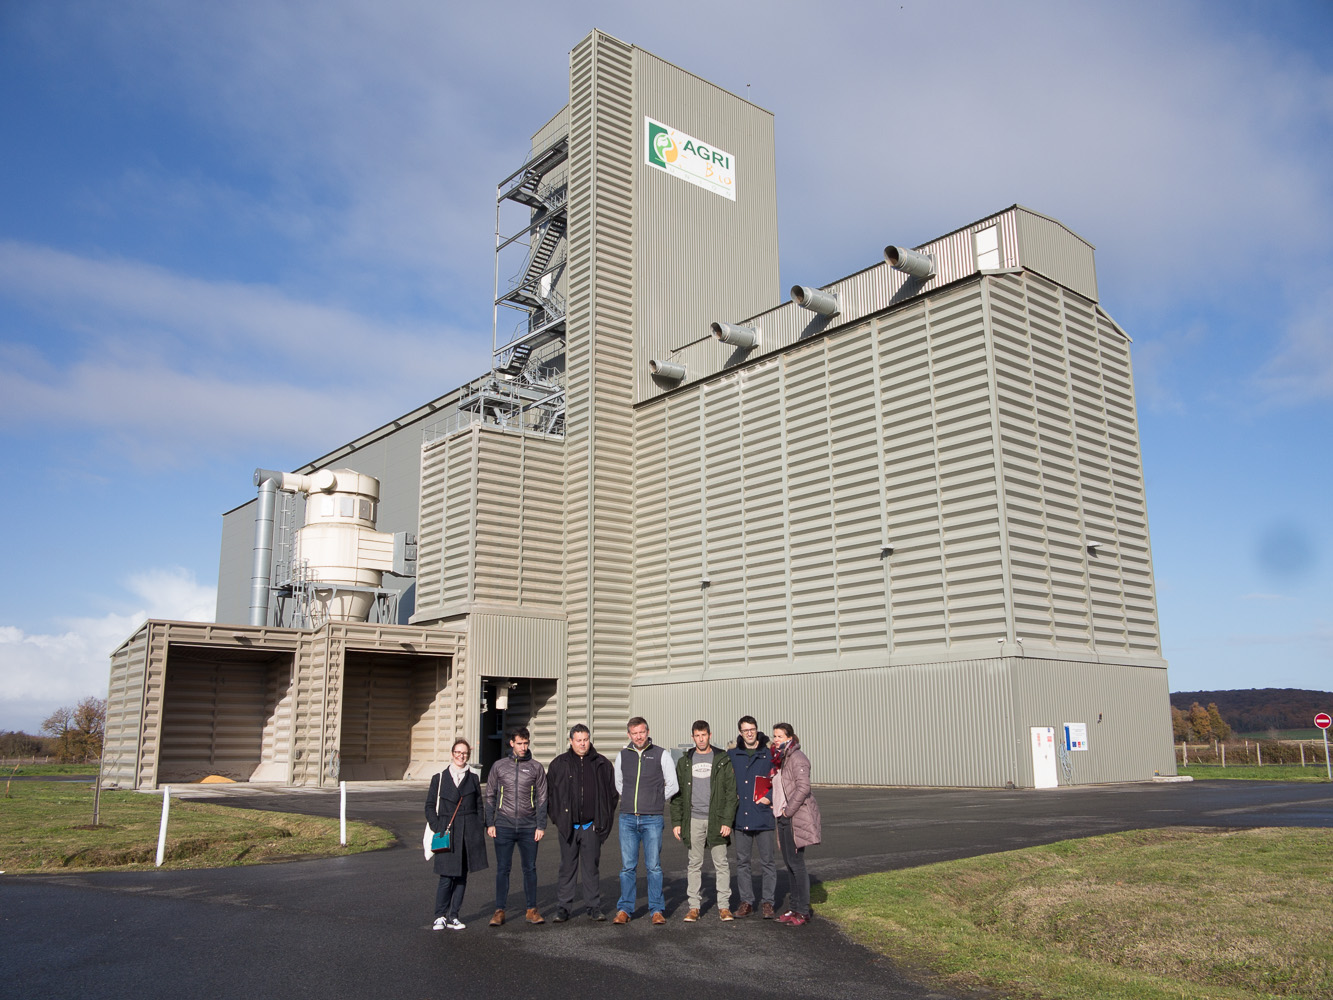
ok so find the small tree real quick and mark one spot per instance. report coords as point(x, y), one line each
point(1180, 725)
point(78, 731)
point(1221, 730)
point(1200, 723)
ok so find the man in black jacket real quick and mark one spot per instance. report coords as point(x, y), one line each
point(581, 795)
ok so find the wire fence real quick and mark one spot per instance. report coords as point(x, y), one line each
point(1253, 753)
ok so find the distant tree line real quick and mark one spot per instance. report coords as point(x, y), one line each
point(70, 735)
point(1257, 710)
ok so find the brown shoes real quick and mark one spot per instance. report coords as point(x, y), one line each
point(622, 917)
point(534, 917)
point(691, 916)
point(659, 918)
point(744, 910)
point(724, 914)
point(498, 918)
point(768, 911)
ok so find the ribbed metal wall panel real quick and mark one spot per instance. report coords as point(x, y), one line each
point(860, 296)
point(698, 256)
point(1050, 248)
point(598, 556)
point(880, 726)
point(1132, 740)
point(516, 646)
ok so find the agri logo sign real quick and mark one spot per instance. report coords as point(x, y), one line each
point(685, 157)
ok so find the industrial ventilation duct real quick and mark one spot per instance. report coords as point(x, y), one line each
point(815, 299)
point(668, 370)
point(736, 336)
point(918, 265)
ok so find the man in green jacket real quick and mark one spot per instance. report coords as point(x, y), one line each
point(701, 815)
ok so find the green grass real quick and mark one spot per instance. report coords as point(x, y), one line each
point(41, 769)
point(1145, 915)
point(1248, 772)
point(44, 828)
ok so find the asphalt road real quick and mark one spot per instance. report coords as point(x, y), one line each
point(360, 926)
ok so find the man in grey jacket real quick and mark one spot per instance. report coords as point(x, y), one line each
point(516, 816)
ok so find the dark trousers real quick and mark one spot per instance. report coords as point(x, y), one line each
point(579, 860)
point(794, 858)
point(449, 894)
point(746, 842)
point(506, 837)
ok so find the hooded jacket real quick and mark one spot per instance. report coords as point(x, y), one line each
point(721, 797)
point(516, 793)
point(750, 815)
point(792, 795)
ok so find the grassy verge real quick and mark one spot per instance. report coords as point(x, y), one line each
point(43, 828)
point(42, 769)
point(1145, 915)
point(1269, 772)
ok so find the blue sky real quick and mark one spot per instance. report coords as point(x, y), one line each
point(239, 234)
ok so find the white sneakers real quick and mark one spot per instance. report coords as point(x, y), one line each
point(455, 924)
point(440, 924)
point(447, 924)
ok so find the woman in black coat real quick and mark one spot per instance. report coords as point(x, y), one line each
point(455, 793)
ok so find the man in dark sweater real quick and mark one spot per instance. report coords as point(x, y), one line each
point(581, 797)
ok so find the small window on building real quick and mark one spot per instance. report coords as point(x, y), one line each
point(988, 248)
point(363, 509)
point(347, 506)
point(326, 507)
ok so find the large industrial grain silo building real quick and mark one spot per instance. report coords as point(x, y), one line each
point(903, 510)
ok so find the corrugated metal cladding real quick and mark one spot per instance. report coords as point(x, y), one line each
point(491, 522)
point(267, 704)
point(699, 257)
point(516, 646)
point(1050, 248)
point(1072, 472)
point(599, 382)
point(1126, 709)
point(963, 722)
point(923, 724)
point(860, 295)
point(784, 485)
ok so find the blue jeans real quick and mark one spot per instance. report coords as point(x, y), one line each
point(636, 830)
point(505, 839)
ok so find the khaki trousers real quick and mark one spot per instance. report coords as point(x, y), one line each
point(694, 882)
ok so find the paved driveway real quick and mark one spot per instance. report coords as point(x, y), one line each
point(360, 926)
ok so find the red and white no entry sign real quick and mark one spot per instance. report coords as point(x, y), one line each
point(1323, 721)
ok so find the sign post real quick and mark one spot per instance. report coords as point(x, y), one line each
point(1323, 721)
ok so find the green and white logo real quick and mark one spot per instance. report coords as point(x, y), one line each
point(687, 158)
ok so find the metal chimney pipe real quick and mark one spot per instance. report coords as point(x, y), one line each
point(918, 265)
point(262, 568)
point(736, 336)
point(667, 370)
point(814, 299)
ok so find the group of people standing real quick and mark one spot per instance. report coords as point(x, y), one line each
point(754, 794)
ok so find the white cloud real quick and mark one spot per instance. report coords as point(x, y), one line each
point(44, 670)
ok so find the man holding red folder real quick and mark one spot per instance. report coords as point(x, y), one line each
point(754, 826)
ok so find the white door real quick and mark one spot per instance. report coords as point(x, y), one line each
point(1043, 757)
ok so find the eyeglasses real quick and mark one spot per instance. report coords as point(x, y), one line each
point(462, 753)
point(749, 729)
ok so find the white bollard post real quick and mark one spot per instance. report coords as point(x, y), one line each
point(1224, 755)
point(342, 814)
point(162, 830)
point(1302, 753)
point(1259, 750)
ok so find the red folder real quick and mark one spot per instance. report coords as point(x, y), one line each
point(762, 787)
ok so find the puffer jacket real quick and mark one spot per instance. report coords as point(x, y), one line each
point(792, 797)
point(516, 793)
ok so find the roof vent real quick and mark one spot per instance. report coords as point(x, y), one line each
point(736, 336)
point(668, 370)
point(815, 299)
point(918, 265)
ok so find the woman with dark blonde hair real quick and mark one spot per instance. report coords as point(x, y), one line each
point(797, 815)
point(454, 804)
